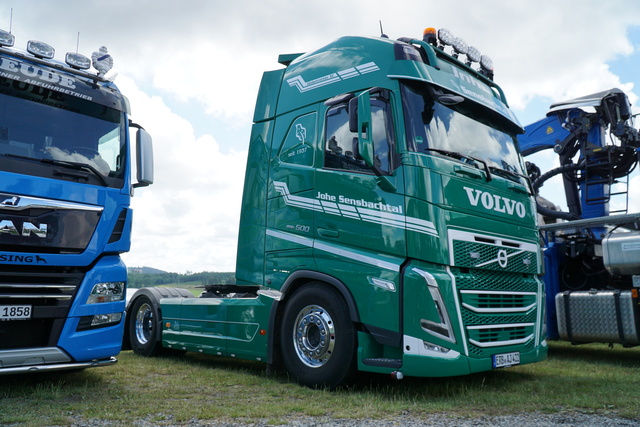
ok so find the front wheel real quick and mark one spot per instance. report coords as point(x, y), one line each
point(143, 326)
point(317, 337)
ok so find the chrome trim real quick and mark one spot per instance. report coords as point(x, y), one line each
point(17, 203)
point(438, 302)
point(499, 310)
point(35, 296)
point(58, 367)
point(501, 343)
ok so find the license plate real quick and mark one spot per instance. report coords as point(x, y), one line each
point(505, 359)
point(15, 312)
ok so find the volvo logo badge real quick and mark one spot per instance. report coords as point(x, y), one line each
point(503, 259)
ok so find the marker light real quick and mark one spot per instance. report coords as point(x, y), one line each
point(6, 39)
point(473, 55)
point(429, 36)
point(446, 37)
point(40, 49)
point(78, 61)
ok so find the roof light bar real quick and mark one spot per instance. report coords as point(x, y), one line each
point(40, 49)
point(77, 61)
point(6, 39)
point(460, 47)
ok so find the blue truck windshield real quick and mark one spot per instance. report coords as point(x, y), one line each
point(432, 125)
point(54, 130)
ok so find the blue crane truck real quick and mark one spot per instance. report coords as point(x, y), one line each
point(387, 224)
point(65, 217)
point(592, 250)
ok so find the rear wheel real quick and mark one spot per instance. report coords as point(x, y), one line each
point(143, 325)
point(318, 339)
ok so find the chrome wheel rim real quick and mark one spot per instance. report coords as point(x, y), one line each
point(314, 336)
point(144, 323)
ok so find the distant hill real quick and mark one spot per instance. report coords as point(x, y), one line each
point(145, 270)
point(144, 276)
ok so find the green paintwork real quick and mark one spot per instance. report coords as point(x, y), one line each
point(437, 257)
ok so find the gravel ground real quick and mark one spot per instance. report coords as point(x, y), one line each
point(565, 419)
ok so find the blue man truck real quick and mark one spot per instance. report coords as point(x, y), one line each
point(65, 217)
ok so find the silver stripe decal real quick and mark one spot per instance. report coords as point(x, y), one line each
point(364, 214)
point(333, 249)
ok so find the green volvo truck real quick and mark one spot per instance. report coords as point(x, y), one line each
point(387, 224)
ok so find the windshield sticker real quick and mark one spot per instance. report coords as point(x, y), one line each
point(348, 73)
point(38, 76)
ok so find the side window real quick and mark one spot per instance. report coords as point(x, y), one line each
point(382, 136)
point(297, 147)
point(341, 145)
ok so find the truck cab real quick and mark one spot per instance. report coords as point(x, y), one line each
point(65, 189)
point(387, 223)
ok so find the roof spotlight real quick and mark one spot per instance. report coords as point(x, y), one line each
point(6, 39)
point(473, 55)
point(40, 50)
point(460, 47)
point(446, 37)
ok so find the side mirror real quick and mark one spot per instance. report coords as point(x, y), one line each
point(144, 158)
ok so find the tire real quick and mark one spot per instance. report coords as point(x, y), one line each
point(143, 326)
point(317, 338)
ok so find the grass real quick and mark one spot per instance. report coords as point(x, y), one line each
point(177, 390)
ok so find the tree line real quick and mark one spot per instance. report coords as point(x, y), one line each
point(141, 280)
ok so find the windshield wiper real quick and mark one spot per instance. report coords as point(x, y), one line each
point(463, 158)
point(66, 164)
point(78, 166)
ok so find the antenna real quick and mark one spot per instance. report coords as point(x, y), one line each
point(10, 20)
point(78, 42)
point(382, 34)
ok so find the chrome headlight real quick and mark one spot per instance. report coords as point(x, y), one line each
point(107, 292)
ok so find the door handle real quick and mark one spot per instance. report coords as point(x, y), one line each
point(325, 232)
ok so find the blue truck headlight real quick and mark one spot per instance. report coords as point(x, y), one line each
point(104, 319)
point(99, 321)
point(107, 292)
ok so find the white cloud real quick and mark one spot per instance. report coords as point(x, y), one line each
point(188, 219)
point(210, 54)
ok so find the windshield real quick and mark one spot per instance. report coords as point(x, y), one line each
point(55, 128)
point(433, 126)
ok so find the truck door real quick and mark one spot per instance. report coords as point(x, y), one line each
point(290, 196)
point(360, 224)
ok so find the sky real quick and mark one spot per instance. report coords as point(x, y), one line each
point(191, 70)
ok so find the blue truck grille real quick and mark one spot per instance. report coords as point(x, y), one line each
point(49, 291)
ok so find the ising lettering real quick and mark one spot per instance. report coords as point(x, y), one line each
point(23, 258)
point(495, 203)
point(28, 228)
